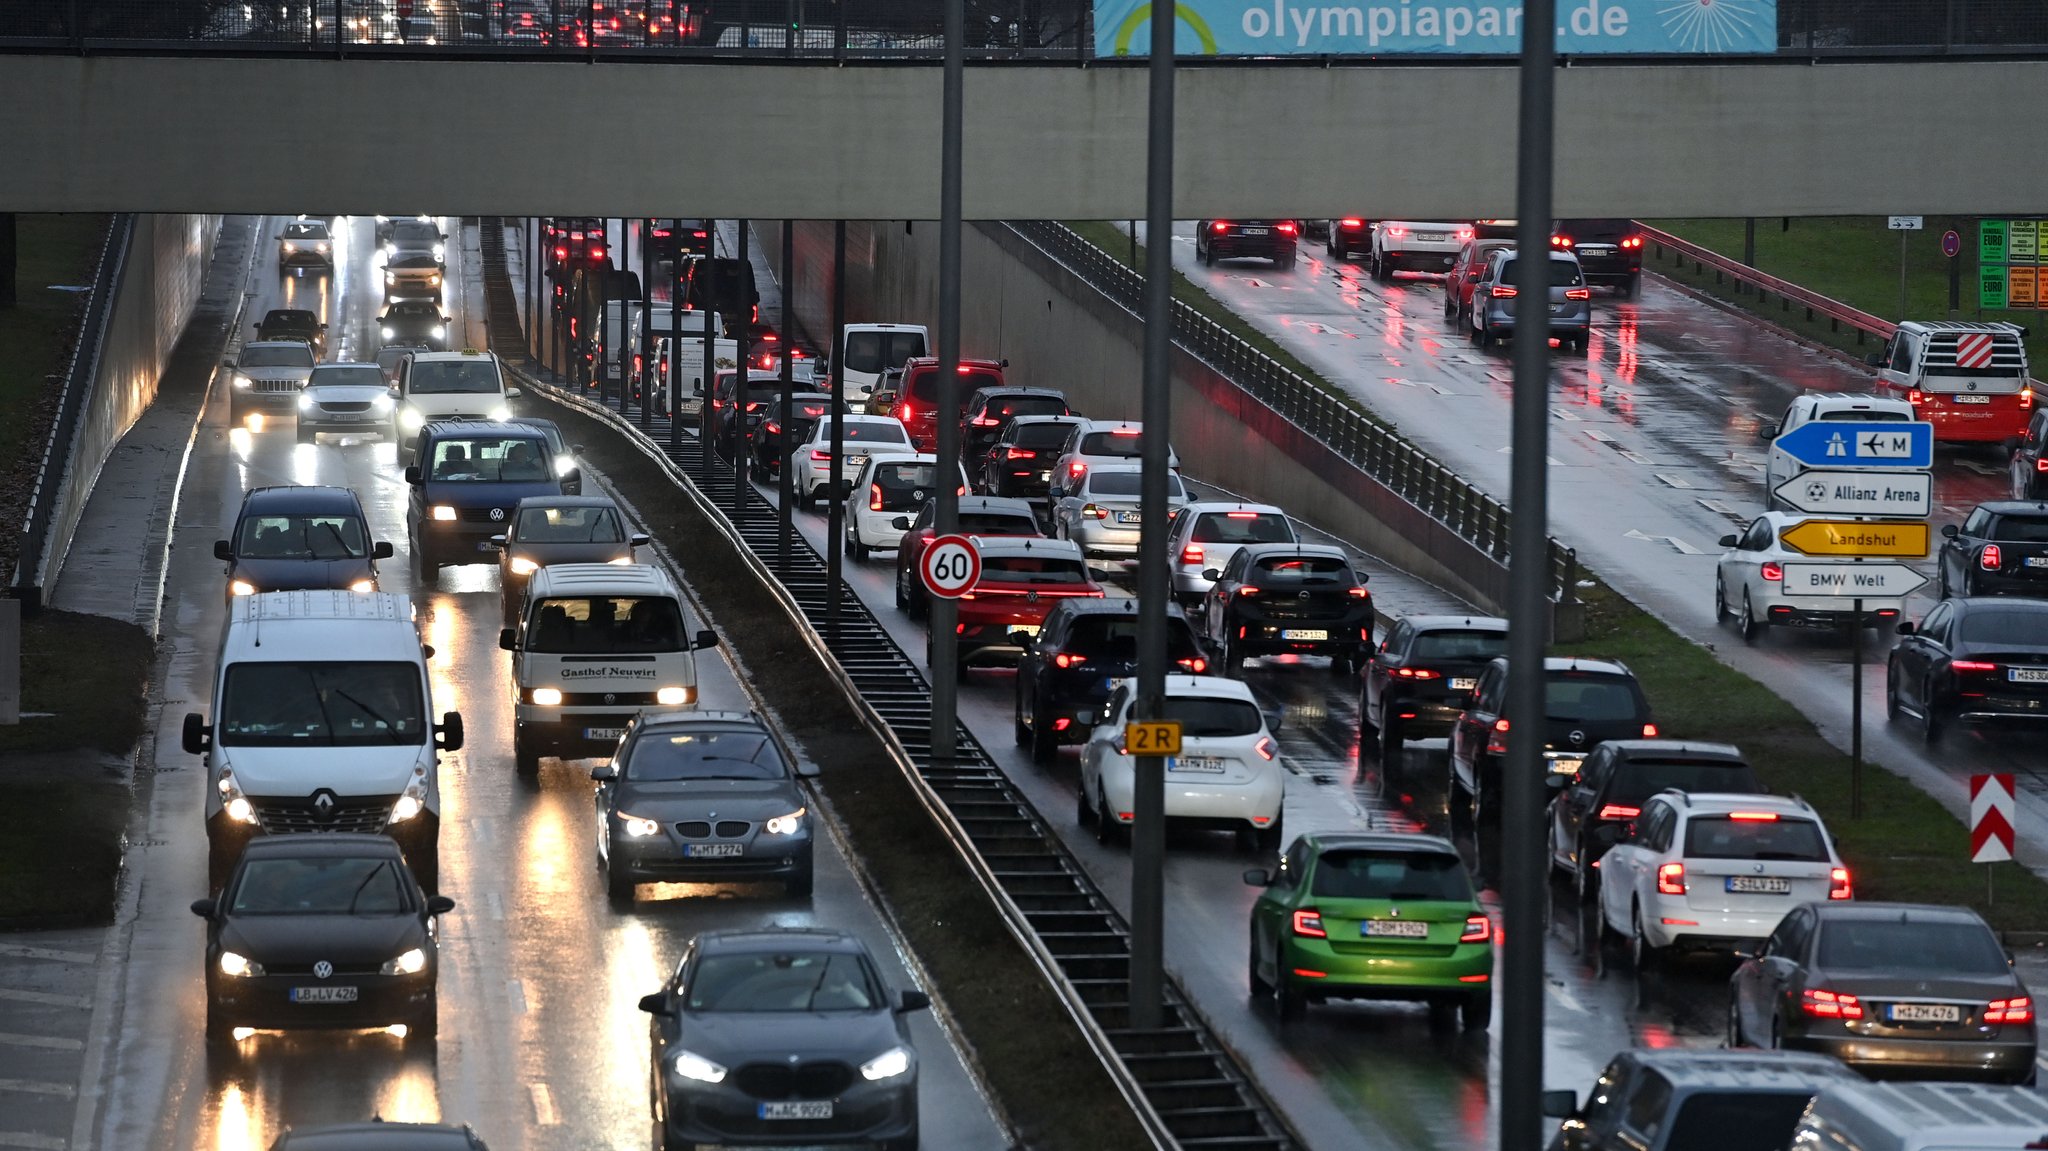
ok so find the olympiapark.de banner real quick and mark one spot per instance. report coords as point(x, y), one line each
point(1438, 27)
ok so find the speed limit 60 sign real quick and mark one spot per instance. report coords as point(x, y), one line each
point(951, 567)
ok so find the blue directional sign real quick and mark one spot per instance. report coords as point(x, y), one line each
point(1851, 444)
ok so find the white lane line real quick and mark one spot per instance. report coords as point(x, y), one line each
point(28, 1139)
point(1566, 999)
point(44, 997)
point(48, 1042)
point(494, 905)
point(1636, 458)
point(17, 951)
point(543, 1105)
point(1719, 507)
point(33, 1087)
point(1674, 481)
point(516, 991)
point(1599, 435)
point(1508, 451)
point(1567, 416)
point(1677, 545)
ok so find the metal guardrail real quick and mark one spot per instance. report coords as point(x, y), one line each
point(1764, 286)
point(1406, 470)
point(32, 561)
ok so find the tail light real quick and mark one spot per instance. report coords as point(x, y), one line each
point(874, 497)
point(2026, 398)
point(820, 455)
point(1266, 748)
point(1754, 816)
point(1619, 811)
point(1417, 673)
point(1631, 241)
point(1916, 397)
point(1191, 555)
point(561, 252)
point(984, 422)
point(1020, 454)
point(1287, 227)
point(1220, 226)
point(661, 233)
point(1838, 884)
point(1094, 512)
point(1066, 659)
point(1649, 731)
point(1774, 572)
point(1478, 929)
point(697, 235)
point(1195, 664)
point(1497, 737)
point(1558, 241)
point(1396, 232)
point(575, 235)
point(597, 251)
point(2041, 464)
point(1822, 1004)
point(638, 362)
point(1578, 293)
point(1971, 665)
point(1308, 921)
point(1352, 222)
point(2020, 1010)
point(1357, 593)
point(1464, 234)
point(1247, 592)
point(1671, 879)
point(1502, 291)
point(906, 411)
point(1990, 557)
point(771, 427)
point(1124, 431)
point(1076, 469)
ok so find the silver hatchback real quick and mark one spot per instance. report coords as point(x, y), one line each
point(1571, 301)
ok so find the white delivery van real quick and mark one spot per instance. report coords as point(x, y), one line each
point(867, 350)
point(322, 720)
point(1970, 380)
point(464, 385)
point(1851, 407)
point(688, 350)
point(596, 645)
point(1922, 1117)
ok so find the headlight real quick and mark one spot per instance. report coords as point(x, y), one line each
point(321, 246)
point(637, 827)
point(501, 412)
point(620, 561)
point(390, 249)
point(440, 251)
point(547, 696)
point(238, 965)
point(523, 566)
point(244, 383)
point(434, 280)
point(410, 419)
point(389, 333)
point(305, 402)
point(390, 277)
point(888, 1065)
point(785, 824)
point(675, 696)
point(690, 1065)
point(444, 513)
point(440, 331)
point(363, 586)
point(240, 810)
point(408, 805)
point(380, 404)
point(411, 963)
point(290, 247)
point(564, 465)
point(242, 587)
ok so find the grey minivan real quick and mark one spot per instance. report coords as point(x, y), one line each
point(1571, 301)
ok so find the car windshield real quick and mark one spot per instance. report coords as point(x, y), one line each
point(1580, 697)
point(1066, 569)
point(277, 356)
point(292, 537)
point(1406, 876)
point(2014, 627)
point(1242, 528)
point(321, 704)
point(1114, 638)
point(1214, 717)
point(1128, 442)
point(997, 524)
point(711, 754)
point(869, 352)
point(1126, 484)
point(866, 431)
point(1732, 837)
point(490, 460)
point(604, 625)
point(452, 377)
point(1939, 948)
point(290, 318)
point(1737, 1120)
point(305, 230)
point(573, 525)
point(414, 233)
point(321, 885)
point(412, 310)
point(1637, 780)
point(2020, 529)
point(1301, 571)
point(352, 375)
point(1040, 436)
point(1461, 644)
point(784, 981)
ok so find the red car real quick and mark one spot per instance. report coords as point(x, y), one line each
point(1021, 579)
point(1465, 272)
point(979, 516)
point(917, 402)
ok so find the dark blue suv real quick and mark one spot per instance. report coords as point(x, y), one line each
point(1064, 676)
point(289, 538)
point(468, 477)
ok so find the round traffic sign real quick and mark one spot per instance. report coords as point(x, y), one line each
point(951, 567)
point(1951, 243)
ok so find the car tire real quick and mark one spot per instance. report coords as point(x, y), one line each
point(858, 550)
point(219, 864)
point(902, 600)
point(1720, 601)
point(617, 888)
point(1084, 811)
point(426, 569)
point(906, 1143)
point(1288, 1001)
point(800, 885)
point(1109, 831)
point(1643, 957)
point(1931, 728)
point(807, 499)
point(1585, 880)
point(1476, 1012)
point(1457, 801)
point(1393, 746)
point(525, 759)
point(1266, 840)
point(1381, 272)
point(1339, 251)
point(1257, 983)
point(426, 1026)
point(304, 433)
point(1892, 711)
point(1045, 744)
point(1734, 1038)
point(1340, 664)
point(1285, 263)
point(1746, 624)
point(1233, 659)
point(1203, 255)
point(1022, 730)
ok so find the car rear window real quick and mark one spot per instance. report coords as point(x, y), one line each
point(870, 352)
point(998, 524)
point(602, 625)
point(924, 384)
point(1737, 1120)
point(1588, 697)
point(1115, 637)
point(1302, 571)
point(1731, 837)
point(1637, 780)
point(1992, 627)
point(867, 432)
point(1042, 435)
point(1203, 715)
point(1563, 273)
point(1858, 415)
point(1461, 644)
point(1243, 528)
point(1127, 483)
point(1127, 442)
point(1034, 569)
point(1410, 876)
point(1008, 407)
point(902, 477)
point(2020, 530)
point(1937, 948)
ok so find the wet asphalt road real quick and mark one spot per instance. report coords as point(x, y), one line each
point(541, 1044)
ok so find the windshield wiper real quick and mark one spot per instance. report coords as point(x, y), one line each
point(390, 729)
point(374, 872)
point(811, 1000)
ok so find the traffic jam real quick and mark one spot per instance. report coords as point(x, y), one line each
point(459, 692)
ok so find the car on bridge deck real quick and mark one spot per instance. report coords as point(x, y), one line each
point(1610, 252)
point(1275, 240)
point(1416, 246)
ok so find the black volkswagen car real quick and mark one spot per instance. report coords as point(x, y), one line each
point(1064, 674)
point(1422, 676)
point(987, 412)
point(1981, 660)
point(783, 1036)
point(320, 931)
point(1291, 597)
point(291, 538)
point(471, 474)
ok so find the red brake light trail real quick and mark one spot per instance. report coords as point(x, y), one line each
point(1971, 665)
point(1352, 222)
point(1191, 554)
point(1619, 811)
point(1649, 731)
point(1754, 816)
point(1773, 572)
point(2020, 1010)
point(1220, 226)
point(1503, 291)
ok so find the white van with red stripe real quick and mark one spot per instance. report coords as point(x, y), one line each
point(1971, 381)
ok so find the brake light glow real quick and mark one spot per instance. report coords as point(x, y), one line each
point(597, 251)
point(1247, 591)
point(1971, 665)
point(1774, 572)
point(874, 497)
point(984, 422)
point(1838, 883)
point(2020, 1010)
point(1560, 241)
point(1497, 737)
point(1094, 511)
point(1191, 554)
point(1631, 241)
point(1240, 515)
point(1478, 929)
point(1220, 226)
point(1123, 431)
point(1077, 468)
point(820, 455)
point(2026, 398)
point(2041, 464)
point(1619, 811)
point(1916, 397)
point(1464, 234)
point(1649, 731)
point(1396, 232)
point(1754, 816)
point(1266, 748)
point(1991, 557)
point(1287, 227)
point(661, 233)
point(561, 252)
point(1417, 673)
point(1308, 921)
point(1357, 593)
point(1823, 1004)
point(1196, 665)
point(1502, 291)
point(1020, 454)
point(1578, 293)
point(1671, 879)
point(1351, 222)
point(1068, 659)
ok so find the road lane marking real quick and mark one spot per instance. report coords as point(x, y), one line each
point(50, 1042)
point(33, 1087)
point(27, 1139)
point(1675, 481)
point(83, 1002)
point(1566, 999)
point(494, 905)
point(516, 991)
point(1636, 457)
point(17, 951)
point(1677, 545)
point(543, 1105)
point(1599, 435)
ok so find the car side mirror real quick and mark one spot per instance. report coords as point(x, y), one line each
point(381, 550)
point(1560, 1104)
point(1767, 431)
point(1274, 722)
point(573, 476)
point(705, 638)
point(911, 999)
point(197, 735)
point(1906, 627)
point(604, 774)
point(223, 550)
point(448, 733)
point(508, 638)
point(498, 542)
point(900, 523)
point(1729, 541)
point(1212, 574)
point(1258, 877)
point(392, 391)
point(1363, 577)
point(439, 905)
point(412, 474)
point(205, 908)
point(1950, 531)
point(657, 1005)
point(640, 539)
point(513, 393)
point(1875, 359)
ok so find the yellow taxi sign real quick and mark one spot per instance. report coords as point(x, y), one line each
point(1904, 540)
point(1152, 737)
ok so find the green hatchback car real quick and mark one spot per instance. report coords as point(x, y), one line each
point(1365, 915)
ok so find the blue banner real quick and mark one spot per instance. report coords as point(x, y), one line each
point(1439, 27)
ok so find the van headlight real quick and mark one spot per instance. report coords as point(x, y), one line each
point(410, 419)
point(523, 566)
point(434, 280)
point(636, 826)
point(390, 277)
point(547, 696)
point(440, 251)
point(242, 587)
point(888, 1065)
point(389, 332)
point(675, 696)
point(444, 513)
point(440, 331)
point(363, 586)
point(620, 561)
point(785, 824)
point(239, 966)
point(233, 802)
point(410, 804)
point(501, 413)
point(321, 246)
point(381, 405)
point(412, 962)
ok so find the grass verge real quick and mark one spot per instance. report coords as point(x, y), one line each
point(84, 676)
point(1903, 848)
point(1854, 259)
point(1035, 1064)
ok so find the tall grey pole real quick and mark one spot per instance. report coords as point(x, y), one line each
point(836, 512)
point(1148, 805)
point(783, 417)
point(530, 252)
point(707, 372)
point(738, 422)
point(673, 391)
point(1523, 873)
point(945, 612)
point(646, 353)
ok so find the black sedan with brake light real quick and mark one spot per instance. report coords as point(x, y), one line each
point(1610, 252)
point(1274, 240)
point(1276, 598)
point(1971, 661)
point(1419, 681)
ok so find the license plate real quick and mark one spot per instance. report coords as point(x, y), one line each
point(1304, 633)
point(713, 850)
point(1925, 1013)
point(604, 733)
point(1252, 232)
point(1046, 476)
point(1130, 517)
point(857, 461)
point(819, 1110)
point(1207, 763)
point(2027, 674)
point(1465, 684)
point(323, 995)
point(1395, 928)
point(1026, 628)
point(1759, 885)
point(1969, 399)
point(1431, 237)
point(486, 546)
point(2036, 562)
point(1563, 765)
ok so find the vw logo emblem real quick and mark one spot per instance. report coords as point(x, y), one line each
point(323, 969)
point(1578, 738)
point(324, 804)
point(610, 697)
point(497, 514)
point(1031, 597)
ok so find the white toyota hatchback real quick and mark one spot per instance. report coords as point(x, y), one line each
point(1709, 870)
point(1227, 776)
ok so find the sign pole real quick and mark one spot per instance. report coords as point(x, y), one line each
point(944, 613)
point(1856, 711)
point(1902, 275)
point(835, 544)
point(786, 491)
point(738, 418)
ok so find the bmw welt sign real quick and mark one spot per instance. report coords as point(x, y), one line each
point(1450, 28)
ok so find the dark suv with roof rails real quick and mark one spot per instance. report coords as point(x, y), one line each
point(1586, 702)
point(1596, 806)
point(1419, 681)
point(1064, 674)
point(987, 412)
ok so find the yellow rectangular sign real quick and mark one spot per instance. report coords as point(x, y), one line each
point(1152, 737)
point(1902, 540)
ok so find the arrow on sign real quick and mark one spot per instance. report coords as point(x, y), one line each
point(1991, 810)
point(1845, 493)
point(1860, 444)
point(1854, 579)
point(1856, 538)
